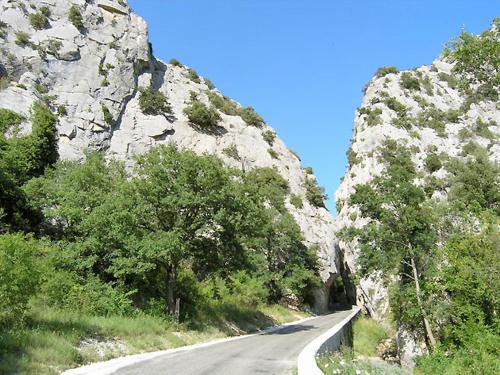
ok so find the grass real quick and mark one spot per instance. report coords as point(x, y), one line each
point(367, 335)
point(362, 359)
point(48, 342)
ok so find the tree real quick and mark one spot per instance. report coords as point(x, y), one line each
point(20, 274)
point(400, 236)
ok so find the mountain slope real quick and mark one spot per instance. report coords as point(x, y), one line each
point(90, 60)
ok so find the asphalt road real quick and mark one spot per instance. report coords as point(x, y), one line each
point(266, 353)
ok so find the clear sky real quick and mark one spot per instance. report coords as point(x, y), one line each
point(303, 63)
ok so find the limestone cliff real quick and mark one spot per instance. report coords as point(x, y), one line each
point(425, 110)
point(88, 61)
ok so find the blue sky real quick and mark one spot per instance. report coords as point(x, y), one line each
point(302, 63)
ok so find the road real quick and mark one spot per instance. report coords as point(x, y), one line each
point(266, 353)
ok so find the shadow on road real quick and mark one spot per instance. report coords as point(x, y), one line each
point(291, 329)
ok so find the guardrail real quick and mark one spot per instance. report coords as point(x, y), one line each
point(327, 342)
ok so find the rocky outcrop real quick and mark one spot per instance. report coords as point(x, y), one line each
point(423, 109)
point(88, 62)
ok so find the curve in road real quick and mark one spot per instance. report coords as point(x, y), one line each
point(267, 353)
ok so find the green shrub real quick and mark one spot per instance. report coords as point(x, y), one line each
point(90, 296)
point(269, 136)
point(9, 119)
point(201, 115)
point(308, 170)
point(395, 105)
point(193, 75)
point(433, 163)
point(384, 70)
point(108, 117)
point(39, 21)
point(426, 83)
point(45, 10)
point(175, 62)
point(20, 275)
point(61, 110)
point(223, 103)
point(75, 17)
point(296, 201)
point(53, 46)
point(451, 80)
point(409, 82)
point(273, 153)
point(153, 102)
point(481, 128)
point(373, 115)
point(352, 158)
point(314, 193)
point(22, 38)
point(209, 83)
point(232, 152)
point(251, 117)
point(40, 88)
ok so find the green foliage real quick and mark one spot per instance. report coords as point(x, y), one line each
point(315, 194)
point(308, 170)
point(40, 88)
point(251, 117)
point(449, 79)
point(39, 21)
point(201, 115)
point(9, 119)
point(477, 60)
point(108, 117)
point(426, 83)
point(26, 157)
point(232, 152)
point(474, 183)
point(409, 82)
point(193, 75)
point(269, 136)
point(175, 62)
point(209, 83)
point(373, 115)
point(296, 201)
point(45, 10)
point(384, 70)
point(433, 163)
point(223, 103)
point(75, 17)
point(22, 38)
point(273, 153)
point(352, 158)
point(398, 107)
point(20, 275)
point(153, 102)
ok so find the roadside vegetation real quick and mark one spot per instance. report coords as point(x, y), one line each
point(97, 262)
point(368, 335)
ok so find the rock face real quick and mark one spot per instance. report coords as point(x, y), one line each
point(90, 72)
point(423, 109)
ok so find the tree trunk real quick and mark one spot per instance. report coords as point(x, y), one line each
point(427, 326)
point(170, 290)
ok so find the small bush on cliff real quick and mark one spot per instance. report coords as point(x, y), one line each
point(39, 21)
point(175, 62)
point(201, 115)
point(315, 194)
point(409, 82)
point(251, 117)
point(384, 70)
point(153, 102)
point(22, 38)
point(75, 17)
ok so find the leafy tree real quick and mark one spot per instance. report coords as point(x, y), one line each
point(399, 237)
point(477, 58)
point(20, 274)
